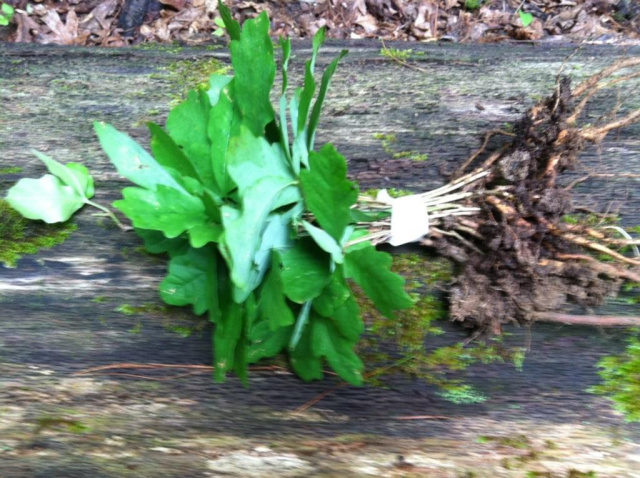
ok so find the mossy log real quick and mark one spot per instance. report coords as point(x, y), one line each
point(92, 301)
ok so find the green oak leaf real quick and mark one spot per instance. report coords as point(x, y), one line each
point(327, 192)
point(306, 364)
point(333, 296)
point(255, 69)
point(188, 126)
point(223, 121)
point(46, 198)
point(164, 209)
point(231, 25)
point(306, 271)
point(191, 279)
point(230, 341)
point(133, 162)
point(265, 342)
point(370, 269)
point(168, 153)
point(227, 336)
point(347, 319)
point(156, 242)
point(272, 305)
point(336, 349)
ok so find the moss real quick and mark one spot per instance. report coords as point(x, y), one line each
point(401, 345)
point(13, 170)
point(432, 270)
point(190, 75)
point(621, 379)
point(385, 137)
point(388, 139)
point(67, 424)
point(393, 192)
point(20, 236)
point(412, 155)
point(395, 54)
point(128, 309)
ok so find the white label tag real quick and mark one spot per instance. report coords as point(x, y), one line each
point(409, 218)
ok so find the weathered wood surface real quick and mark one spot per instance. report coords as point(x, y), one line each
point(55, 424)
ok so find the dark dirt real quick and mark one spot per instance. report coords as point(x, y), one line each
point(523, 258)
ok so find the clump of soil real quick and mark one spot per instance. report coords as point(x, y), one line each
point(518, 256)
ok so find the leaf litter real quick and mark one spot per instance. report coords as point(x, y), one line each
point(100, 23)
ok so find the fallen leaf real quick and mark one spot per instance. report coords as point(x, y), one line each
point(63, 33)
point(26, 28)
point(176, 4)
point(368, 22)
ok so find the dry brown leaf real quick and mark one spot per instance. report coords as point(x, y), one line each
point(533, 32)
point(26, 28)
point(369, 23)
point(62, 33)
point(98, 16)
point(176, 4)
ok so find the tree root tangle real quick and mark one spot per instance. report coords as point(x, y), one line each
point(519, 259)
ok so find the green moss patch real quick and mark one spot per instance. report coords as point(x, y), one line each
point(188, 75)
point(19, 236)
point(13, 170)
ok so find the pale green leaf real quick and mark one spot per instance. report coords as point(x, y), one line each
point(300, 325)
point(325, 241)
point(46, 198)
point(84, 178)
point(317, 107)
point(216, 84)
point(74, 175)
point(328, 193)
point(164, 209)
point(309, 88)
point(132, 161)
point(204, 234)
point(251, 158)
point(371, 270)
point(243, 232)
